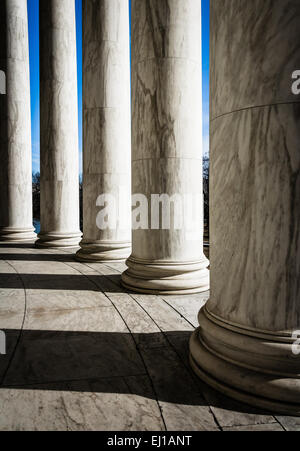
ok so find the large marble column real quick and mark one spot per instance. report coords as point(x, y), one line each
point(167, 255)
point(106, 131)
point(15, 134)
point(246, 345)
point(59, 125)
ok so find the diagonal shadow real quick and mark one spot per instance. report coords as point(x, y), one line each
point(107, 362)
point(38, 257)
point(61, 282)
point(100, 362)
point(11, 245)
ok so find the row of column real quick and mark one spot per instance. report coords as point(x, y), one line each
point(166, 135)
point(245, 345)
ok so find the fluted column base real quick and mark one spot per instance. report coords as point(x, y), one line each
point(16, 234)
point(163, 277)
point(255, 367)
point(58, 239)
point(104, 251)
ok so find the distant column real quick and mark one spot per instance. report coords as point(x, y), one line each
point(167, 255)
point(59, 125)
point(247, 345)
point(106, 131)
point(15, 123)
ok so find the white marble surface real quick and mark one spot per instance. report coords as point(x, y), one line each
point(59, 126)
point(258, 64)
point(244, 344)
point(94, 357)
point(15, 137)
point(167, 143)
point(106, 127)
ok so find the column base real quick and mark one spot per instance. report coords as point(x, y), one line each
point(159, 277)
point(58, 240)
point(17, 235)
point(255, 367)
point(104, 251)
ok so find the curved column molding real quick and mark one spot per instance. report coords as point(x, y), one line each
point(246, 343)
point(15, 139)
point(106, 131)
point(59, 126)
point(167, 147)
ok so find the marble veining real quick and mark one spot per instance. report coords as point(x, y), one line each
point(244, 345)
point(106, 127)
point(251, 64)
point(167, 142)
point(15, 137)
point(59, 129)
point(107, 359)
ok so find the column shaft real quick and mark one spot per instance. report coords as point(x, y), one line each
point(167, 253)
point(59, 125)
point(245, 345)
point(15, 137)
point(106, 131)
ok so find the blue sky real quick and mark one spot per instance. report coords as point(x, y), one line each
point(33, 24)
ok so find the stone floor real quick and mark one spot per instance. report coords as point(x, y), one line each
point(83, 354)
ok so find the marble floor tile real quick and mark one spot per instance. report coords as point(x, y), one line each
point(12, 337)
point(41, 301)
point(273, 427)
point(137, 319)
point(109, 404)
point(102, 320)
point(52, 356)
point(11, 280)
point(5, 267)
point(188, 305)
point(177, 391)
point(289, 423)
point(84, 354)
point(43, 267)
point(12, 301)
point(108, 284)
point(180, 417)
point(120, 267)
point(11, 320)
point(162, 313)
point(231, 413)
point(38, 282)
point(81, 268)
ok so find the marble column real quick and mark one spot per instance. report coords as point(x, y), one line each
point(246, 345)
point(167, 255)
point(106, 131)
point(59, 125)
point(15, 134)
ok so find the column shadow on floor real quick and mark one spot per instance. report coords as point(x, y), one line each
point(98, 362)
point(38, 257)
point(17, 246)
point(93, 282)
point(103, 362)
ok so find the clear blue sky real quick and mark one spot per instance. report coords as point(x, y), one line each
point(33, 19)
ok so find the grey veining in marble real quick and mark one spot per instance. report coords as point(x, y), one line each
point(167, 142)
point(256, 200)
point(81, 357)
point(106, 128)
point(59, 125)
point(244, 346)
point(252, 65)
point(15, 137)
point(96, 405)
